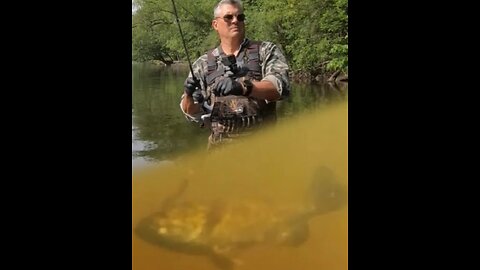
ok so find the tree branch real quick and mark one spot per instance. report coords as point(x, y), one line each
point(159, 21)
point(168, 11)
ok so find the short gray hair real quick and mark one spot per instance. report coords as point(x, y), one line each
point(237, 3)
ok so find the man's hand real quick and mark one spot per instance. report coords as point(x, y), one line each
point(197, 96)
point(228, 86)
point(193, 89)
point(191, 85)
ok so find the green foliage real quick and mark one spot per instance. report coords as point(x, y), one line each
point(312, 33)
point(155, 33)
point(339, 53)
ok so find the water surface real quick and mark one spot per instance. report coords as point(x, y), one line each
point(160, 132)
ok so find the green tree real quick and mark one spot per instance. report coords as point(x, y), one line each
point(312, 33)
point(155, 34)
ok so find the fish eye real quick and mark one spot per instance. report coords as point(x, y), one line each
point(162, 230)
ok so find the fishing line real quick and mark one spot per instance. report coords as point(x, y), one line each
point(183, 39)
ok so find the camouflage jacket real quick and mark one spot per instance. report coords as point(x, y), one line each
point(274, 68)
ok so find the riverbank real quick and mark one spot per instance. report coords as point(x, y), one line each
point(298, 76)
point(310, 77)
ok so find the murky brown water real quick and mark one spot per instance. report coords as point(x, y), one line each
point(276, 165)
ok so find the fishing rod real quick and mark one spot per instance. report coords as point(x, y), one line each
point(183, 39)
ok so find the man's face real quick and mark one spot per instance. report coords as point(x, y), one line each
point(227, 23)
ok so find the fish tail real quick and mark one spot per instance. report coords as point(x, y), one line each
point(326, 192)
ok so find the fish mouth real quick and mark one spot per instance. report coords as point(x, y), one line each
point(150, 231)
point(146, 230)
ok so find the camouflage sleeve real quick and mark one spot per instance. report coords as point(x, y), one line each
point(275, 67)
point(200, 70)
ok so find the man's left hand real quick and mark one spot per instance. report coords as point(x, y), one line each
point(228, 86)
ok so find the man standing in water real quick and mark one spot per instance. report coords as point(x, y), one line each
point(238, 70)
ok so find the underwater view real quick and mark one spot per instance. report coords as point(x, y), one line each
point(275, 200)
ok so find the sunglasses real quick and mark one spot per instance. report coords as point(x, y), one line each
point(229, 17)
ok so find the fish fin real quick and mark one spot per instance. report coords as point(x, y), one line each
point(222, 261)
point(215, 214)
point(220, 258)
point(170, 200)
point(291, 232)
point(326, 192)
point(223, 250)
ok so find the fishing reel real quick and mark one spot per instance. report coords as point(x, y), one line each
point(198, 96)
